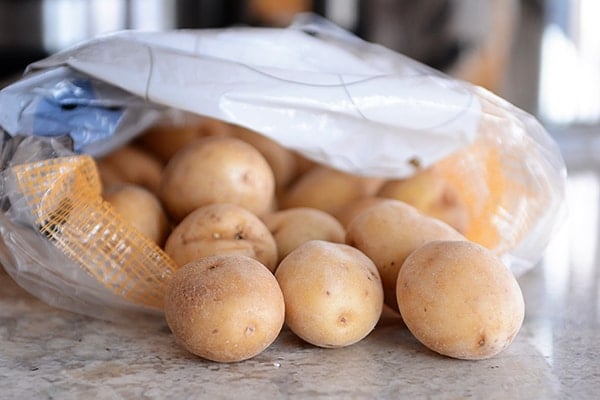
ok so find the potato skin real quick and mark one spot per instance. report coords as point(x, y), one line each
point(141, 208)
point(134, 165)
point(221, 228)
point(165, 139)
point(333, 294)
point(109, 175)
point(348, 212)
point(388, 232)
point(224, 308)
point(327, 189)
point(459, 300)
point(429, 192)
point(295, 226)
point(282, 161)
point(217, 170)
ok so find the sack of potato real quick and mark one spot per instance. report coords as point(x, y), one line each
point(235, 179)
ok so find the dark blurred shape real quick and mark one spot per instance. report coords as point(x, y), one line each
point(20, 35)
point(194, 14)
point(440, 33)
point(420, 29)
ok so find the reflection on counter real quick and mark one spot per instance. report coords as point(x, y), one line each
point(563, 292)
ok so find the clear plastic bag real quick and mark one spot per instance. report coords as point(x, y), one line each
point(311, 87)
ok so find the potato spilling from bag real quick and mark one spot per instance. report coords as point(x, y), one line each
point(260, 240)
point(295, 226)
point(459, 300)
point(224, 308)
point(388, 232)
point(333, 294)
point(219, 229)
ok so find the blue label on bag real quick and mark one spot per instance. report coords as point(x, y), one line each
point(72, 108)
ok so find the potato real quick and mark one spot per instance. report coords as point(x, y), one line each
point(328, 189)
point(224, 308)
point(388, 232)
point(141, 208)
point(332, 292)
point(167, 138)
point(294, 226)
point(459, 300)
point(431, 193)
point(109, 175)
point(217, 170)
point(303, 163)
point(347, 213)
point(282, 161)
point(221, 229)
point(135, 165)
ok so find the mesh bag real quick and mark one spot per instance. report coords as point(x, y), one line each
point(64, 195)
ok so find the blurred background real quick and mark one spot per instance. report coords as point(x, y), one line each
point(542, 55)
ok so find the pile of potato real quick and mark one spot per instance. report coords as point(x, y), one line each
point(265, 237)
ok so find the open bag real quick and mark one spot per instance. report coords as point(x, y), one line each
point(312, 87)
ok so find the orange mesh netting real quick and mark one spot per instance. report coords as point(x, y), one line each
point(64, 195)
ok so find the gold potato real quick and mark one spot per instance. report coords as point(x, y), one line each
point(347, 213)
point(217, 170)
point(388, 232)
point(303, 163)
point(460, 300)
point(332, 292)
point(430, 193)
point(134, 165)
point(224, 308)
point(109, 175)
point(283, 162)
point(141, 208)
point(327, 189)
point(167, 138)
point(221, 228)
point(295, 226)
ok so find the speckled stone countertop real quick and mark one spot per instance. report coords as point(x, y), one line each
point(47, 353)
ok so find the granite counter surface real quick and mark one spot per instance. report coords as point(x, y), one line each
point(47, 353)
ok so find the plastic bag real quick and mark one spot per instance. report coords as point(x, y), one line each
point(312, 87)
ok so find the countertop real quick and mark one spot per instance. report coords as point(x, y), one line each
point(47, 353)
